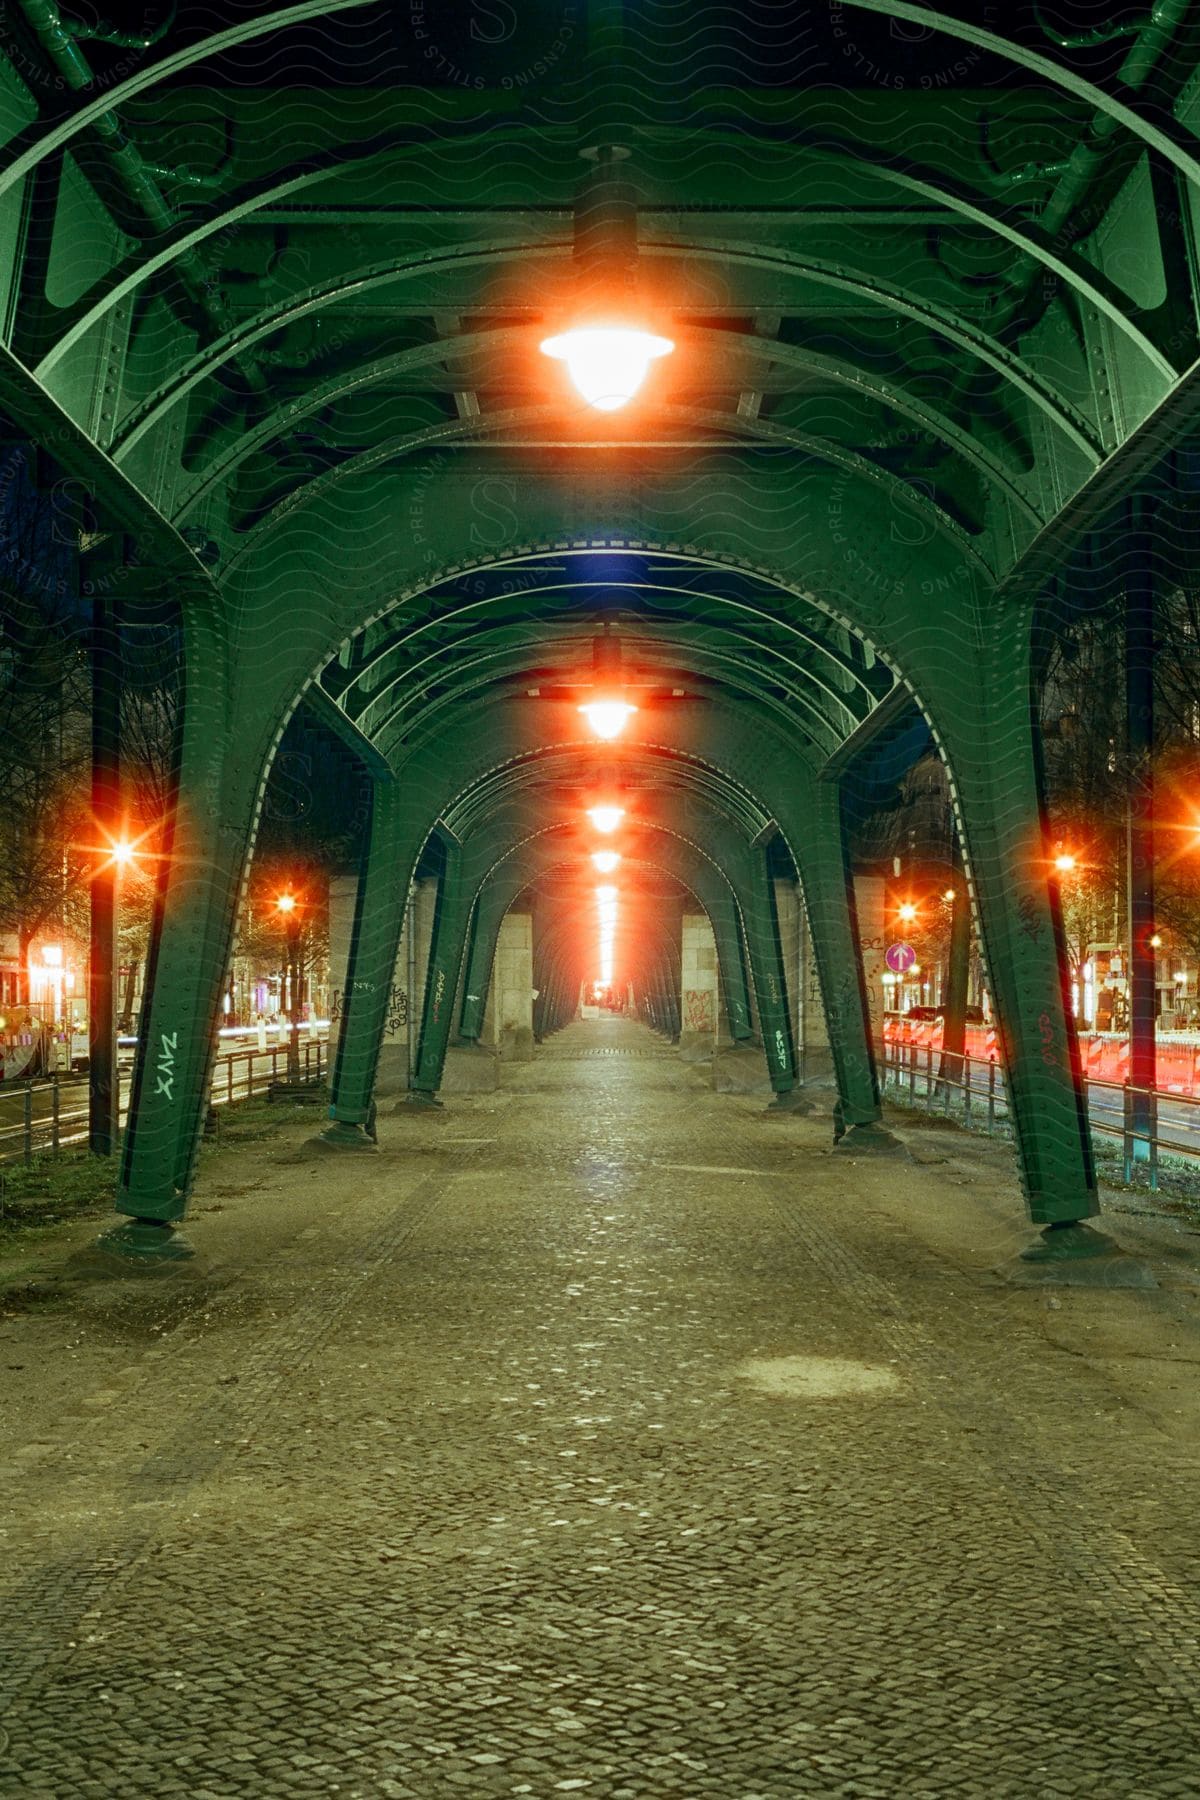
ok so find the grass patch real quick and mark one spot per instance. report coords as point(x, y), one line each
point(50, 1189)
point(1178, 1188)
point(251, 1121)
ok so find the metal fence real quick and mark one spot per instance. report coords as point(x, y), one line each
point(50, 1113)
point(973, 1089)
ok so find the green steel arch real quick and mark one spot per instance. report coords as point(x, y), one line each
point(911, 369)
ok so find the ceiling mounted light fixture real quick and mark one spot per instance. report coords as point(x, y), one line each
point(608, 711)
point(607, 718)
point(607, 348)
point(605, 861)
point(607, 363)
point(606, 818)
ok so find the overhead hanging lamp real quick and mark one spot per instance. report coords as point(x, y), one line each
point(608, 711)
point(608, 347)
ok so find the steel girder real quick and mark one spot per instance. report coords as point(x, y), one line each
point(894, 496)
point(476, 849)
point(967, 683)
point(1083, 277)
point(712, 869)
point(705, 858)
point(542, 855)
point(796, 668)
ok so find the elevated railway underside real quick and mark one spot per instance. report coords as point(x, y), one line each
point(315, 313)
point(618, 440)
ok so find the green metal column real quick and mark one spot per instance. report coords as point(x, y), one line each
point(374, 945)
point(829, 901)
point(657, 996)
point(731, 962)
point(103, 1078)
point(486, 922)
point(658, 999)
point(456, 897)
point(672, 997)
point(766, 964)
point(991, 751)
point(553, 1018)
point(221, 773)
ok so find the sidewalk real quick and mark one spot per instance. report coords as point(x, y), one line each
point(602, 1436)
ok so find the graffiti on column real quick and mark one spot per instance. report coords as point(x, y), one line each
point(166, 1065)
point(698, 1008)
point(397, 1013)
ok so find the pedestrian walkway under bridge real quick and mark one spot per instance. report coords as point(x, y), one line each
point(425, 384)
point(603, 1434)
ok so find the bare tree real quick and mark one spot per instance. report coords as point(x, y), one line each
point(149, 717)
point(44, 718)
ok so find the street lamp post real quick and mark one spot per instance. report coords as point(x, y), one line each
point(103, 1084)
point(1140, 607)
point(287, 907)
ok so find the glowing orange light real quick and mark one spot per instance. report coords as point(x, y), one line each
point(607, 718)
point(606, 906)
point(949, 894)
point(606, 818)
point(1156, 942)
point(121, 852)
point(605, 861)
point(1064, 862)
point(286, 903)
point(607, 363)
point(907, 911)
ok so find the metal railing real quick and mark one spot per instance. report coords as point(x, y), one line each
point(50, 1113)
point(973, 1089)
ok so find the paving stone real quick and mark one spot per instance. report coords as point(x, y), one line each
point(497, 1504)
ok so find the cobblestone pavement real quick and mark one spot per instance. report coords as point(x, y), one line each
point(603, 1437)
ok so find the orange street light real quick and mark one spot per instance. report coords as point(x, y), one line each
point(122, 851)
point(949, 895)
point(605, 861)
point(907, 911)
point(286, 903)
point(607, 363)
point(607, 718)
point(606, 818)
point(1064, 862)
point(1156, 942)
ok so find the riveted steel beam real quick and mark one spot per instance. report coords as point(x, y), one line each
point(500, 343)
point(159, 542)
point(1174, 145)
point(48, 140)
